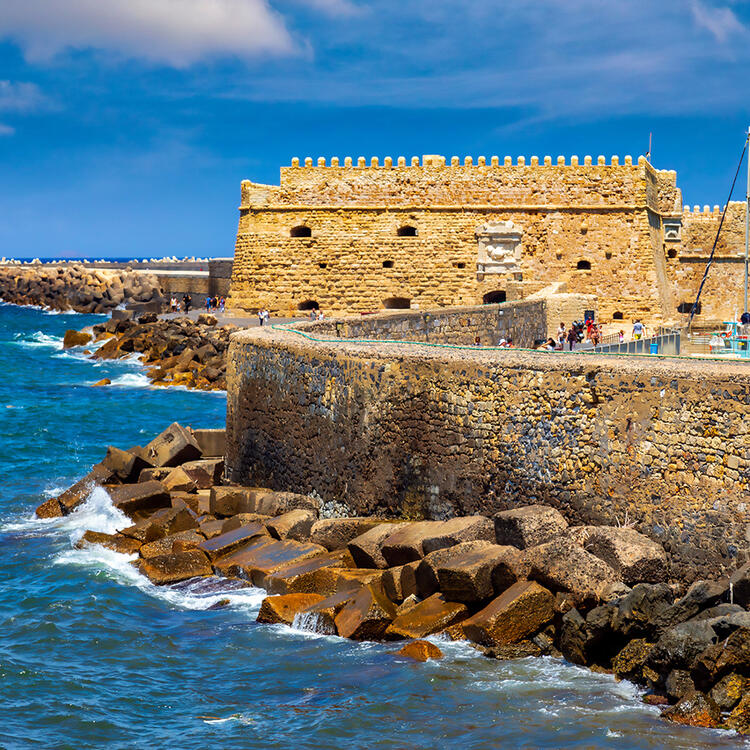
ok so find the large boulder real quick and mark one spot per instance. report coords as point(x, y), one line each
point(226, 501)
point(75, 338)
point(589, 639)
point(457, 530)
point(321, 617)
point(432, 615)
point(175, 567)
point(679, 646)
point(728, 691)
point(206, 472)
point(263, 556)
point(284, 608)
point(406, 544)
point(116, 542)
point(178, 481)
point(126, 466)
point(400, 582)
point(311, 575)
point(517, 613)
point(479, 573)
point(634, 557)
point(149, 496)
point(645, 611)
point(275, 503)
point(731, 655)
point(696, 710)
point(366, 549)
point(562, 565)
point(366, 616)
point(739, 719)
point(426, 571)
point(165, 545)
point(336, 533)
point(528, 526)
point(77, 494)
point(629, 662)
point(227, 542)
point(294, 524)
point(173, 447)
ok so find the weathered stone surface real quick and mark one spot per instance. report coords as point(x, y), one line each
point(728, 691)
point(124, 465)
point(206, 472)
point(644, 611)
point(740, 581)
point(176, 566)
point(264, 556)
point(230, 500)
point(321, 617)
point(528, 526)
point(519, 650)
point(400, 582)
point(344, 578)
point(173, 447)
point(164, 545)
point(366, 549)
point(589, 640)
point(167, 521)
point(628, 664)
point(311, 575)
point(678, 684)
point(148, 496)
point(739, 719)
point(420, 651)
point(478, 574)
point(227, 542)
point(406, 544)
point(457, 530)
point(366, 616)
point(75, 338)
point(700, 596)
point(283, 608)
point(336, 533)
point(680, 645)
point(102, 382)
point(116, 542)
point(154, 472)
point(212, 443)
point(514, 615)
point(275, 503)
point(432, 615)
point(564, 566)
point(696, 710)
point(50, 508)
point(212, 527)
point(74, 496)
point(295, 524)
point(426, 571)
point(178, 481)
point(242, 519)
point(634, 557)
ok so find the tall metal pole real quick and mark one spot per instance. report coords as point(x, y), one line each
point(747, 217)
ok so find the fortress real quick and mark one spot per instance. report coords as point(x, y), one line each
point(356, 238)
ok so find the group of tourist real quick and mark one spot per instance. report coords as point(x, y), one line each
point(263, 316)
point(215, 303)
point(578, 332)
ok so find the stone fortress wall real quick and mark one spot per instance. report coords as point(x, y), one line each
point(419, 431)
point(357, 237)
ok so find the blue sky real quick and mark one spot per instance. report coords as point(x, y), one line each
point(126, 126)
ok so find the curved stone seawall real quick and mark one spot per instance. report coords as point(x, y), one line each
point(415, 431)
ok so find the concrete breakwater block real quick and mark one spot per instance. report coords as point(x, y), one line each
point(558, 591)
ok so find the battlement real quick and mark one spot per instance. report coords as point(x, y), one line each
point(437, 161)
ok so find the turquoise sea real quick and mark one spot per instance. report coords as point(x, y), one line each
point(94, 656)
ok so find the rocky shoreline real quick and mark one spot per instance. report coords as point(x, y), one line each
point(522, 583)
point(175, 351)
point(74, 287)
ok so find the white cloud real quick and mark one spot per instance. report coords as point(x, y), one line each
point(721, 23)
point(176, 32)
point(21, 97)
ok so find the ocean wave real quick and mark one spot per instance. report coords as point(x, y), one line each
point(38, 339)
point(130, 380)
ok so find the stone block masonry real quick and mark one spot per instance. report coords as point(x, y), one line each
point(416, 431)
point(359, 236)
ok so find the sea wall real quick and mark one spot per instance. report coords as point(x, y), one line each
point(415, 431)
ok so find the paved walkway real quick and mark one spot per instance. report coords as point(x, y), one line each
point(228, 318)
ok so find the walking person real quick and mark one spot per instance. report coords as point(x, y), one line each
point(561, 335)
point(266, 316)
point(260, 316)
point(187, 300)
point(222, 304)
point(638, 330)
point(572, 337)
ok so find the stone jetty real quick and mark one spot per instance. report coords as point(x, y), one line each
point(175, 351)
point(521, 583)
point(75, 287)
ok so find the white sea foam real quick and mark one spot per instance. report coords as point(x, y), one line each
point(131, 380)
point(39, 339)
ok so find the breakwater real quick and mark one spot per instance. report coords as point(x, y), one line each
point(518, 584)
point(431, 433)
